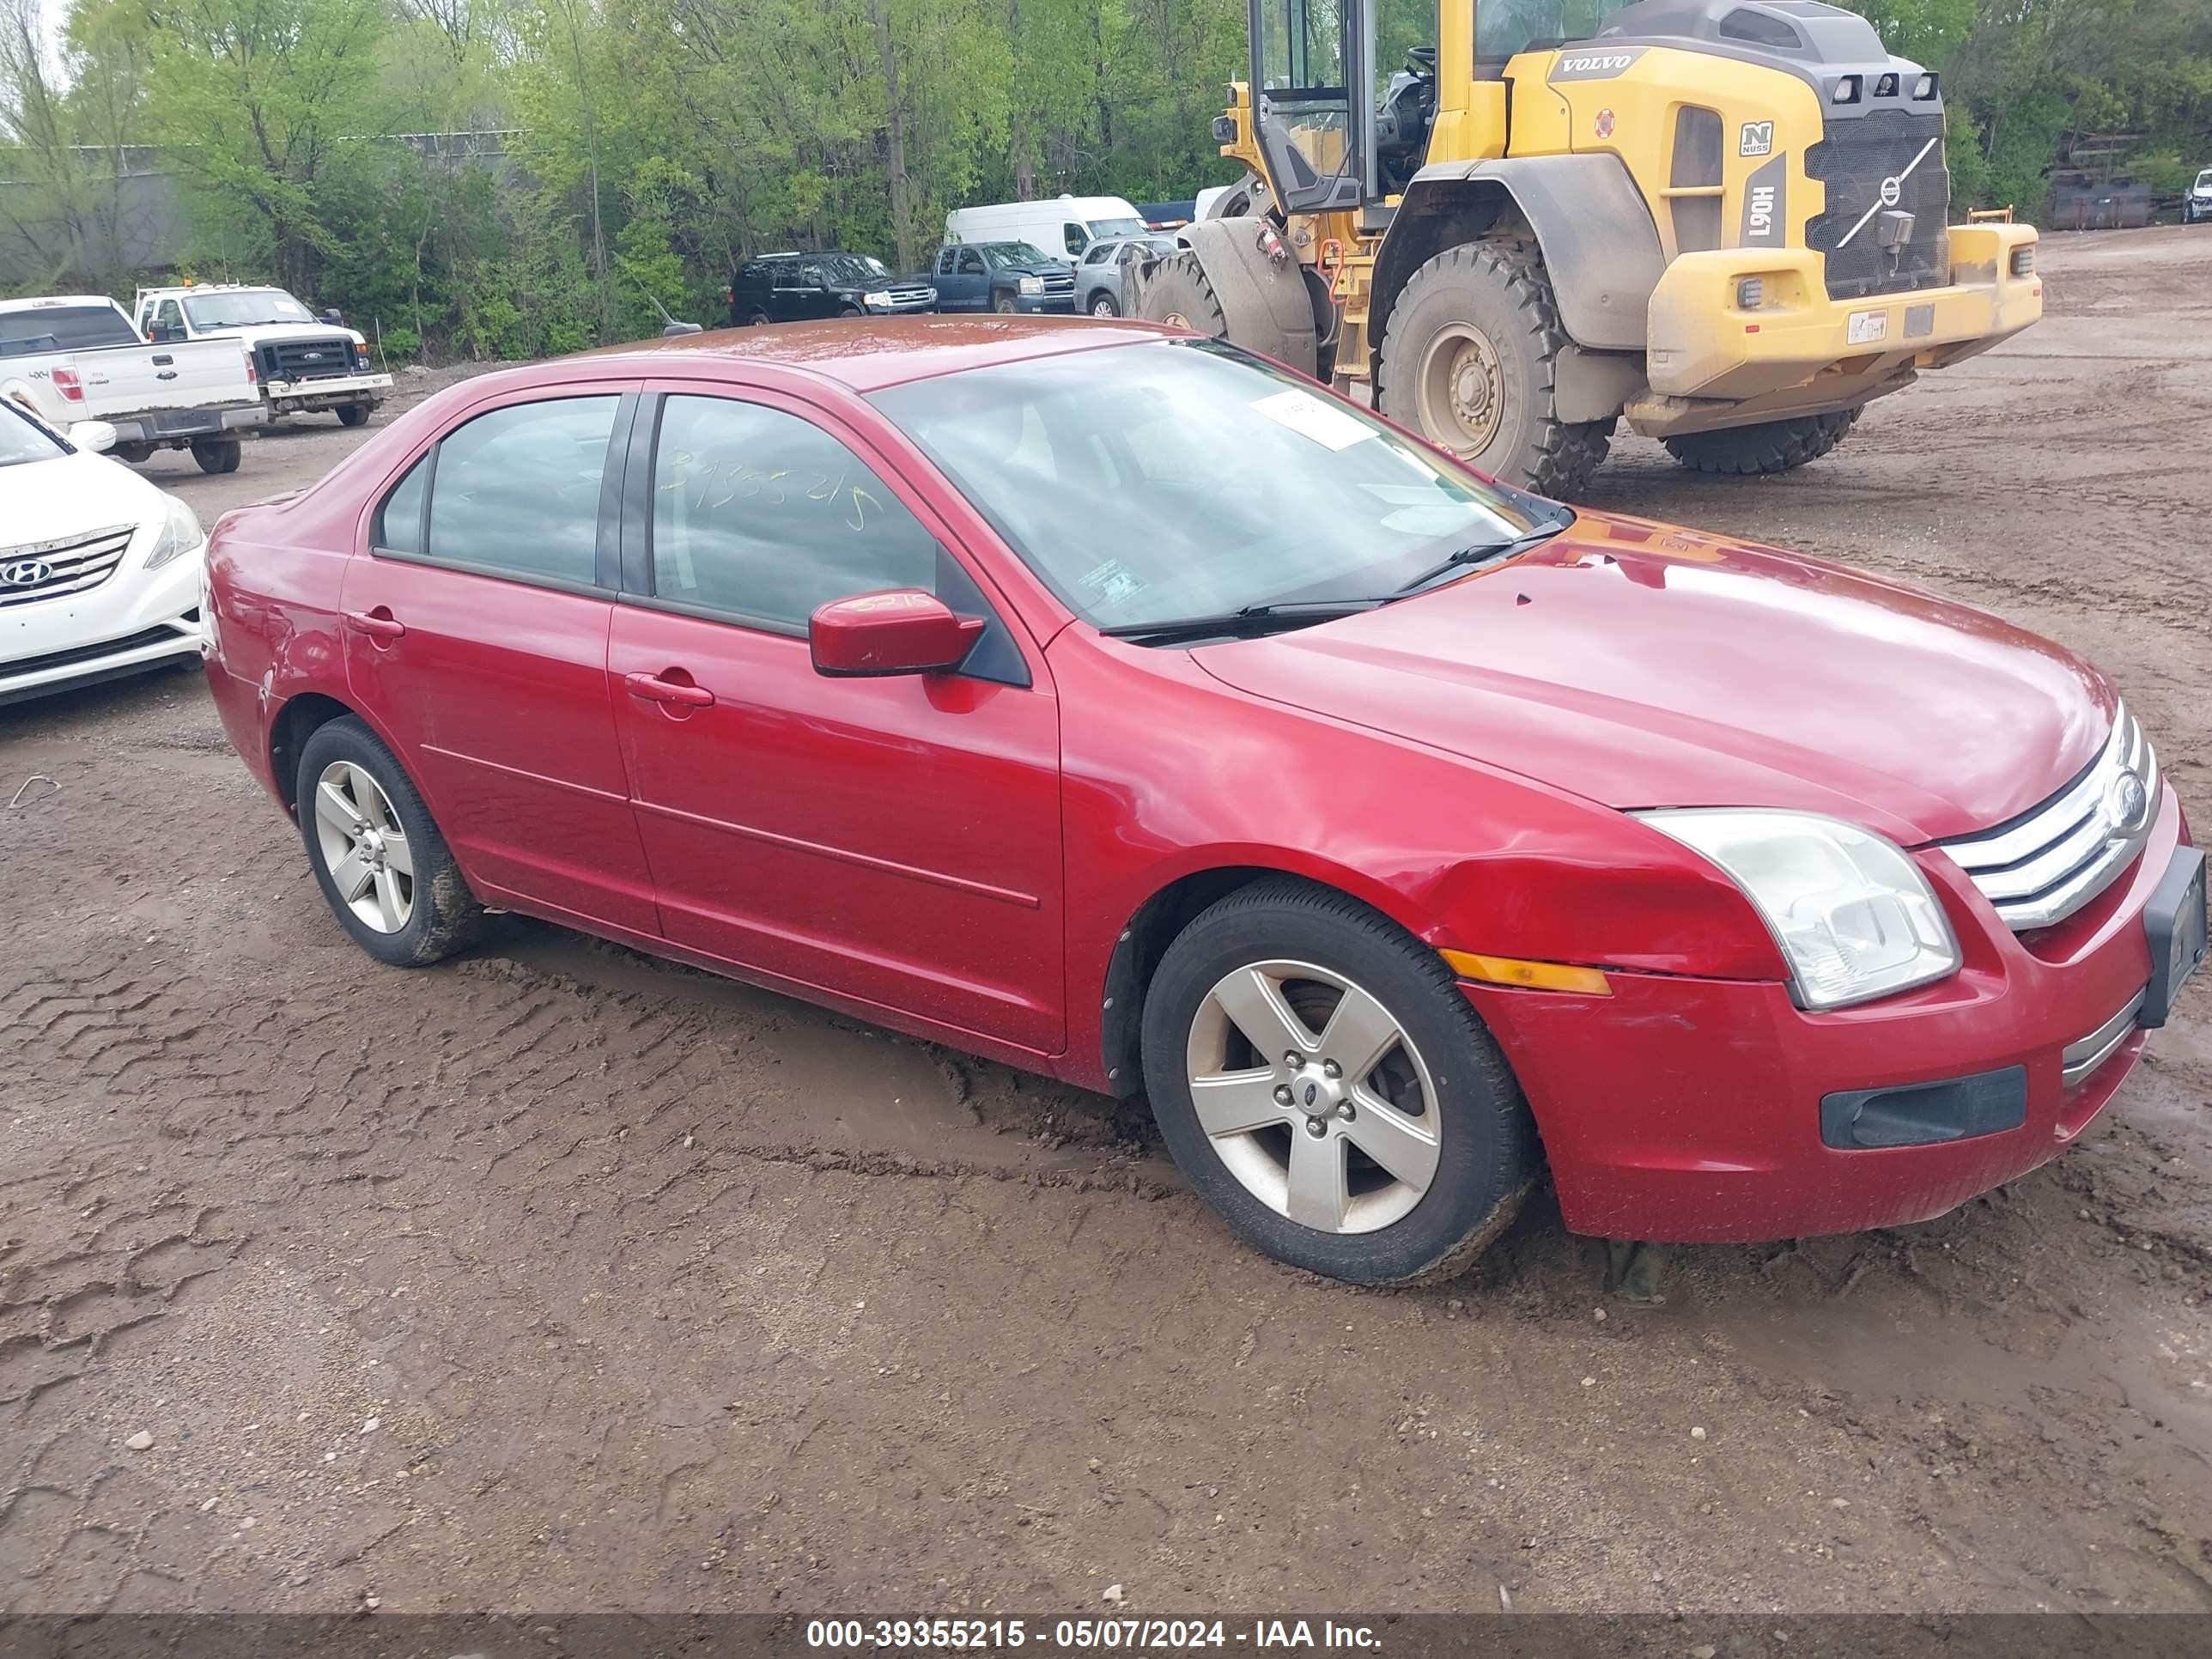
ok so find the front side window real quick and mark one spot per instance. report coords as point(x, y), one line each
point(765, 516)
point(1074, 237)
point(514, 492)
point(1102, 470)
point(971, 263)
point(1100, 254)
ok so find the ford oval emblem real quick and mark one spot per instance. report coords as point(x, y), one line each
point(2126, 801)
point(26, 573)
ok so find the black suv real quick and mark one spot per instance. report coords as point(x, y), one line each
point(790, 287)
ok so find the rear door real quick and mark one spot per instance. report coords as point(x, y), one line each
point(476, 637)
point(893, 841)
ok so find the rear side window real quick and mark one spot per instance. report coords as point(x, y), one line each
point(767, 517)
point(63, 328)
point(513, 493)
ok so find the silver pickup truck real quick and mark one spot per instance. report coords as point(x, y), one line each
point(77, 357)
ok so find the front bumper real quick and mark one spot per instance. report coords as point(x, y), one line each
point(1059, 305)
point(1799, 351)
point(179, 426)
point(1690, 1110)
point(133, 621)
point(337, 391)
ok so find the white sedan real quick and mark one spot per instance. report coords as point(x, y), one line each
point(99, 571)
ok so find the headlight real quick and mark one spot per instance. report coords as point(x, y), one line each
point(1032, 284)
point(179, 534)
point(1854, 916)
point(876, 299)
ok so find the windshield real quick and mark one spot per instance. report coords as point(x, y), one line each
point(1504, 28)
point(2204, 178)
point(1102, 229)
point(23, 439)
point(854, 268)
point(1109, 472)
point(246, 309)
point(63, 328)
point(999, 255)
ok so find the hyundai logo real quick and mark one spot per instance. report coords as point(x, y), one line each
point(25, 572)
point(2126, 800)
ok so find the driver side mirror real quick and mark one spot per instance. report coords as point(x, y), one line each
point(330, 315)
point(96, 436)
point(902, 631)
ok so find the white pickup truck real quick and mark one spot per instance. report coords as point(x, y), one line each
point(306, 363)
point(77, 357)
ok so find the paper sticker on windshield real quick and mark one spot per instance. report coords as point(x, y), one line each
point(1112, 581)
point(1310, 418)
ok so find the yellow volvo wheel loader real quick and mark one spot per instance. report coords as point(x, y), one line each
point(1724, 220)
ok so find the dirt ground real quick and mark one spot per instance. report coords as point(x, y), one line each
point(556, 1279)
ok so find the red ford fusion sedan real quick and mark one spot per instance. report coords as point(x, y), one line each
point(1117, 706)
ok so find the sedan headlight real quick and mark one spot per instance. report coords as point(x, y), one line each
point(879, 298)
point(1032, 284)
point(180, 533)
point(1854, 916)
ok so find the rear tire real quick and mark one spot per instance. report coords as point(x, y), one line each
point(353, 414)
point(1770, 447)
point(217, 455)
point(758, 319)
point(348, 781)
point(1418, 1081)
point(1468, 361)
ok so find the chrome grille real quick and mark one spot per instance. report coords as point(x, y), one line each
point(2042, 867)
point(2081, 1057)
point(75, 564)
point(912, 294)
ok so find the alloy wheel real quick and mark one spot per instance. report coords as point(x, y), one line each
point(364, 847)
point(1314, 1097)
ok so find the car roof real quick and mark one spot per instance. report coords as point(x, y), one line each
point(862, 354)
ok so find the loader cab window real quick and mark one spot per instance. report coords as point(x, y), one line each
point(1505, 29)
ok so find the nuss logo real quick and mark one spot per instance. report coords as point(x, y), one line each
point(1758, 139)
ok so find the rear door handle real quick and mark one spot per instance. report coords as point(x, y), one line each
point(379, 624)
point(653, 689)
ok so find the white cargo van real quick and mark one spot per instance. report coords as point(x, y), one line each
point(1064, 226)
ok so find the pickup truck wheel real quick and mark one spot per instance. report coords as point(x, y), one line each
point(1769, 447)
point(217, 455)
point(1322, 1083)
point(384, 868)
point(1003, 304)
point(353, 414)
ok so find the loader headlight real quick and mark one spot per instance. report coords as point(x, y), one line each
point(1925, 88)
point(1854, 916)
point(1750, 293)
point(1032, 284)
point(1885, 86)
point(1845, 91)
point(2023, 261)
point(180, 533)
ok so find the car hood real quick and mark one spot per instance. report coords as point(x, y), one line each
point(1641, 666)
point(44, 502)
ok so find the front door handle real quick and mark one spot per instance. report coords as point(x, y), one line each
point(653, 689)
point(379, 624)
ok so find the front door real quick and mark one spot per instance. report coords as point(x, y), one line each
point(476, 634)
point(893, 841)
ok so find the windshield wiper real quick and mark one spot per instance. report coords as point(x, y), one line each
point(1484, 552)
point(1247, 623)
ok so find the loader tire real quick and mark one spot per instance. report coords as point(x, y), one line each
point(1770, 447)
point(1178, 295)
point(1469, 361)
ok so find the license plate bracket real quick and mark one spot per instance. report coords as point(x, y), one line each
point(2175, 921)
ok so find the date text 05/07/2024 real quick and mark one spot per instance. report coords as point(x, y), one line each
point(1089, 1634)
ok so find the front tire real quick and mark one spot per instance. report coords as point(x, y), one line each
point(384, 870)
point(1770, 447)
point(1322, 1083)
point(217, 455)
point(1102, 305)
point(1004, 305)
point(1469, 359)
point(353, 414)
